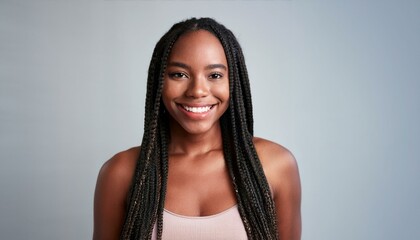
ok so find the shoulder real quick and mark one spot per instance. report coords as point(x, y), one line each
point(279, 164)
point(112, 186)
point(282, 174)
point(274, 155)
point(116, 174)
point(270, 149)
point(121, 166)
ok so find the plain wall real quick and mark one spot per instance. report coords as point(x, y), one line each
point(336, 82)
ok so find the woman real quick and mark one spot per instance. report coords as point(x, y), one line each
point(200, 172)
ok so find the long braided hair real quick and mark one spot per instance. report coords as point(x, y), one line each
point(147, 195)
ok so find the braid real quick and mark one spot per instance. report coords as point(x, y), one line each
point(149, 183)
point(148, 190)
point(254, 195)
point(164, 133)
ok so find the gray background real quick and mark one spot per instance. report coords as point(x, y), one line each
point(337, 82)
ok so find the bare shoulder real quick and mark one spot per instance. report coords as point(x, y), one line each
point(282, 174)
point(116, 174)
point(278, 162)
point(121, 165)
point(112, 186)
point(273, 155)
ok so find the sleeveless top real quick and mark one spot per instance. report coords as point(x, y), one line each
point(224, 225)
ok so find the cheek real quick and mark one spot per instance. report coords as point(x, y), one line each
point(166, 95)
point(222, 92)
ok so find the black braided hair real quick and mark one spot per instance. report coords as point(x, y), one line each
point(147, 195)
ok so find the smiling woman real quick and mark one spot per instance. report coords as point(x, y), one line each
point(199, 173)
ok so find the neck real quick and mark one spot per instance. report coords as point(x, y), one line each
point(182, 142)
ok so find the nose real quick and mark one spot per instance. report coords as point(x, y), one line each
point(198, 87)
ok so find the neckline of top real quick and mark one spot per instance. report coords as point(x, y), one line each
point(202, 217)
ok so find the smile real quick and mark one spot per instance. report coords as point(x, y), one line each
point(203, 109)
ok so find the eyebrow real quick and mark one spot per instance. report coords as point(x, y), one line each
point(213, 66)
point(179, 64)
point(208, 67)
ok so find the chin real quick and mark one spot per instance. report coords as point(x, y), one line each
point(200, 129)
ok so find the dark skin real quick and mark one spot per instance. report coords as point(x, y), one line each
point(198, 180)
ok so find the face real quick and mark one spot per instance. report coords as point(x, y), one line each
point(196, 84)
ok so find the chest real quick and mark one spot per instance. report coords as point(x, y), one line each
point(224, 225)
point(199, 187)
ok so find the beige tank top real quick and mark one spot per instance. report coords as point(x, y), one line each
point(225, 225)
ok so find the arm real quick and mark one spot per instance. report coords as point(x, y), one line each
point(287, 199)
point(111, 191)
point(282, 174)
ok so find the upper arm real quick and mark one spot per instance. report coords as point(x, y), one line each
point(111, 191)
point(287, 199)
point(282, 174)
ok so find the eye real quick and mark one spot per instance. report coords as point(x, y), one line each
point(215, 76)
point(177, 75)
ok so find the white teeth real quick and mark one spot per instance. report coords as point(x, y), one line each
point(197, 109)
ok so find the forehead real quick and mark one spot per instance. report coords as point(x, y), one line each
point(198, 45)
